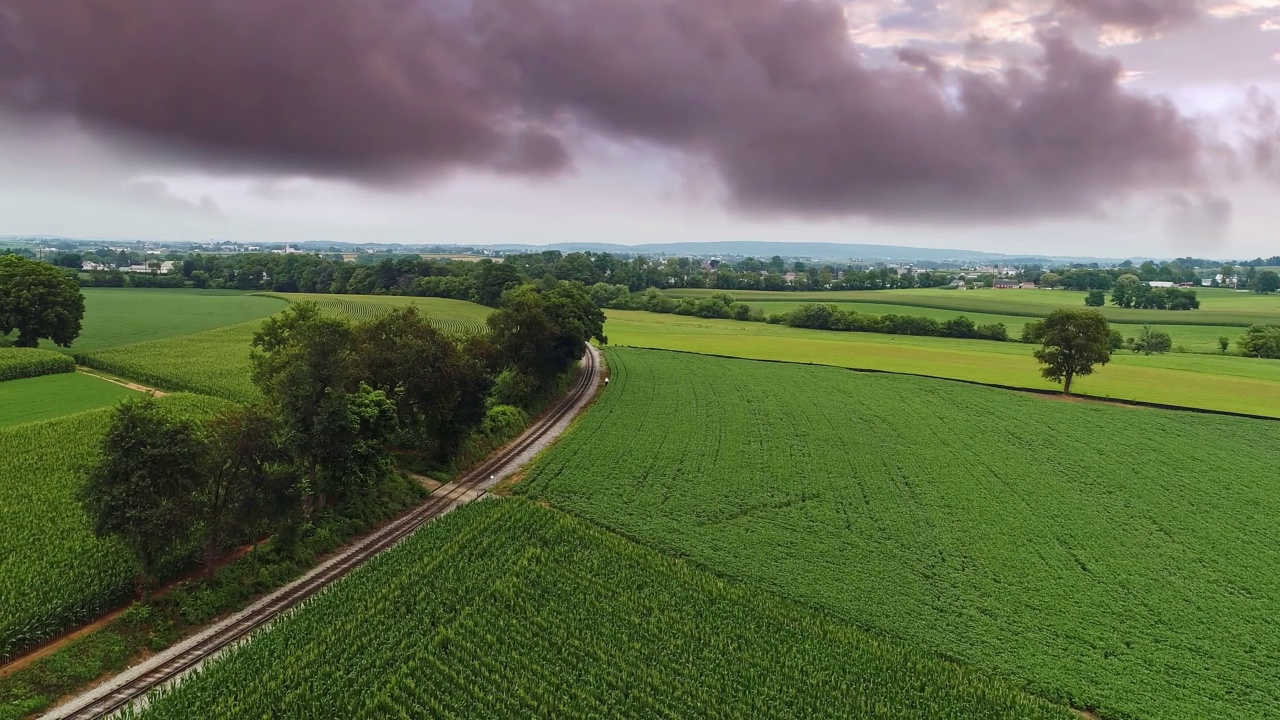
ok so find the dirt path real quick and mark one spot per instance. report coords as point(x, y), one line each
point(123, 383)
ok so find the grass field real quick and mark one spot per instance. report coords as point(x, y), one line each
point(53, 572)
point(126, 316)
point(1235, 384)
point(504, 609)
point(17, 363)
point(1194, 338)
point(51, 396)
point(1217, 306)
point(1124, 559)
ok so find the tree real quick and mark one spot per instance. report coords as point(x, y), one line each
point(1072, 343)
point(1050, 280)
point(240, 486)
point(1266, 281)
point(39, 301)
point(141, 489)
point(1224, 342)
point(1151, 341)
point(542, 332)
point(305, 365)
point(1261, 341)
point(1124, 293)
point(1095, 298)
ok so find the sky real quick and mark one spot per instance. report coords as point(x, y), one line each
point(1110, 128)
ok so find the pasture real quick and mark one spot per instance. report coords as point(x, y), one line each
point(1217, 306)
point(504, 609)
point(1120, 559)
point(54, 573)
point(127, 316)
point(51, 396)
point(1229, 383)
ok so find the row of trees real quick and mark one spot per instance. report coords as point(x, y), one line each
point(339, 399)
point(1130, 292)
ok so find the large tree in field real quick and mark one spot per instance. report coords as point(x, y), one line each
point(1072, 343)
point(39, 301)
point(141, 490)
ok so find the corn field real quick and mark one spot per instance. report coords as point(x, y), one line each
point(1095, 553)
point(447, 318)
point(504, 609)
point(16, 363)
point(54, 573)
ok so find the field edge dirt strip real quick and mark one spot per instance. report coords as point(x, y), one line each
point(169, 666)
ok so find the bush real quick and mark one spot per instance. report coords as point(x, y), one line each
point(503, 421)
point(512, 387)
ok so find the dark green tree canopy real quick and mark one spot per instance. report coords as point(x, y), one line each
point(39, 301)
point(1072, 343)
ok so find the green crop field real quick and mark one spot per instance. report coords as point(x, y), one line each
point(1193, 338)
point(1236, 384)
point(17, 363)
point(53, 572)
point(126, 316)
point(445, 314)
point(1124, 559)
point(214, 362)
point(1217, 306)
point(51, 396)
point(504, 609)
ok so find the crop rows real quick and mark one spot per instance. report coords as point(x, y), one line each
point(16, 363)
point(1122, 559)
point(215, 362)
point(54, 573)
point(504, 609)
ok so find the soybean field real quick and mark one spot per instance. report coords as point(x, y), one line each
point(1125, 560)
point(504, 609)
point(54, 573)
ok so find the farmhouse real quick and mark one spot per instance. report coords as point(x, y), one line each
point(1006, 284)
point(1160, 283)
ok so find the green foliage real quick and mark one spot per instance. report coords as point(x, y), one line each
point(1151, 341)
point(1266, 281)
point(1095, 298)
point(543, 332)
point(1072, 342)
point(568, 621)
point(40, 301)
point(1261, 341)
point(1000, 529)
point(1224, 343)
point(140, 490)
point(53, 571)
point(18, 363)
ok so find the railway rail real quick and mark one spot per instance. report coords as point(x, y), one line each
point(169, 666)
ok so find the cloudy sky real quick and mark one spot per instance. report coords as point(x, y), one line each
point(1072, 127)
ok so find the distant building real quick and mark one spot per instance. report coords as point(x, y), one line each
point(789, 277)
point(1007, 284)
point(91, 266)
point(1027, 286)
point(1160, 283)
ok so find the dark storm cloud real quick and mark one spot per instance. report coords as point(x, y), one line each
point(1140, 15)
point(771, 92)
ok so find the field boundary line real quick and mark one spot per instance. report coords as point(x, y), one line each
point(133, 686)
point(998, 386)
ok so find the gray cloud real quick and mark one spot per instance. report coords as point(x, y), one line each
point(1197, 218)
point(156, 194)
point(1145, 16)
point(770, 92)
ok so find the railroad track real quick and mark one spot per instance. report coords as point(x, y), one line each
point(170, 665)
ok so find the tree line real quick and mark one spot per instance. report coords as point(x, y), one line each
point(340, 401)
